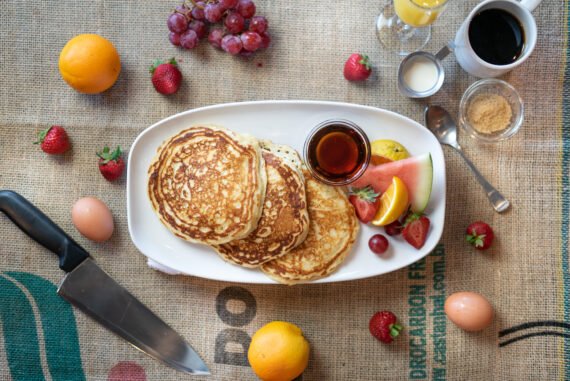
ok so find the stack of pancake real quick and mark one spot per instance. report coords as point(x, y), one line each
point(253, 202)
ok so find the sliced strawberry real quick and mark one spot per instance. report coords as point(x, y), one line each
point(365, 202)
point(416, 230)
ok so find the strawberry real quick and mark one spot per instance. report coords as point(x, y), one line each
point(415, 230)
point(384, 326)
point(111, 164)
point(480, 235)
point(357, 67)
point(54, 140)
point(365, 202)
point(166, 77)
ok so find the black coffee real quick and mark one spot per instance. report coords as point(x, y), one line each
point(496, 36)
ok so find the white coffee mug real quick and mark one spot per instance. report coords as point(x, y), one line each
point(471, 62)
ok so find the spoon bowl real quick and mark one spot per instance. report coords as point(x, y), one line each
point(442, 125)
point(444, 128)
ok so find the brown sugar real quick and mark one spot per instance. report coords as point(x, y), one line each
point(489, 113)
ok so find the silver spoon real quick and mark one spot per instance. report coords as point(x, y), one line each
point(444, 128)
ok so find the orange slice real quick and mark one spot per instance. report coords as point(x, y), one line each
point(393, 203)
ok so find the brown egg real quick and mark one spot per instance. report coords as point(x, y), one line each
point(469, 310)
point(92, 219)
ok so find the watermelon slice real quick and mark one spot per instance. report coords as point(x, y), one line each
point(416, 172)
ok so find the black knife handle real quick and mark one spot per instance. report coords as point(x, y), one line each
point(43, 230)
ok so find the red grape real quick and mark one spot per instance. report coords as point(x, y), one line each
point(242, 33)
point(174, 38)
point(199, 27)
point(265, 40)
point(231, 44)
point(189, 39)
point(182, 9)
point(215, 37)
point(251, 41)
point(198, 11)
point(177, 23)
point(228, 4)
point(258, 24)
point(213, 12)
point(395, 228)
point(246, 8)
point(378, 244)
point(234, 22)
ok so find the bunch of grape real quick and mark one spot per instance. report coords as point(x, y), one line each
point(230, 25)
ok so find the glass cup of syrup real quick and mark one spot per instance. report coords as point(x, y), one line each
point(337, 152)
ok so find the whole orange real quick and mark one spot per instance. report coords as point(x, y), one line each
point(278, 352)
point(89, 63)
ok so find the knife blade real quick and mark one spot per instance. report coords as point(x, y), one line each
point(92, 290)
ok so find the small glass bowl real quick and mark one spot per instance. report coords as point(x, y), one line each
point(498, 87)
point(360, 138)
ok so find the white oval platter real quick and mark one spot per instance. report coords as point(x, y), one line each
point(284, 122)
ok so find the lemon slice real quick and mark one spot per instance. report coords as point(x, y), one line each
point(393, 203)
point(389, 149)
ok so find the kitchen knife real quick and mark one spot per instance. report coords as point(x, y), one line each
point(94, 292)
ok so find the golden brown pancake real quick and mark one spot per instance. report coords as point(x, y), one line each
point(207, 184)
point(332, 231)
point(284, 221)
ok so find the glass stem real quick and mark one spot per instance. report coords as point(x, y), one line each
point(403, 30)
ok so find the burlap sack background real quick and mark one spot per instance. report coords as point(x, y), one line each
point(522, 275)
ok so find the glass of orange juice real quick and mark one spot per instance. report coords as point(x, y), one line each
point(404, 26)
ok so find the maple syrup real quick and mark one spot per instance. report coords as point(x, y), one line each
point(337, 152)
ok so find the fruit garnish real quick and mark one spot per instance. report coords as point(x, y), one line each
point(365, 202)
point(111, 164)
point(480, 235)
point(357, 67)
point(238, 30)
point(89, 63)
point(278, 351)
point(416, 172)
point(416, 229)
point(384, 326)
point(394, 228)
point(392, 203)
point(378, 244)
point(166, 77)
point(389, 149)
point(53, 140)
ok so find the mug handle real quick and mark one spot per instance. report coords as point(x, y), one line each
point(530, 4)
